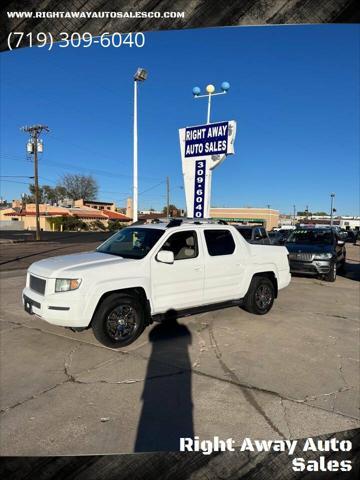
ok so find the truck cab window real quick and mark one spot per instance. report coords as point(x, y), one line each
point(219, 242)
point(183, 245)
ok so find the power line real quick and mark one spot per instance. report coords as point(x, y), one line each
point(150, 188)
point(53, 164)
point(48, 180)
point(15, 181)
point(15, 176)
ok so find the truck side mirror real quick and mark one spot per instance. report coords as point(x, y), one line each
point(165, 256)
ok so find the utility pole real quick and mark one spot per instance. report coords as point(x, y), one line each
point(294, 208)
point(167, 197)
point(33, 148)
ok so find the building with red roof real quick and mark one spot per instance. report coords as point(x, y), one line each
point(26, 214)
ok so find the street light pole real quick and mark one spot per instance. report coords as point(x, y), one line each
point(332, 196)
point(139, 76)
point(135, 173)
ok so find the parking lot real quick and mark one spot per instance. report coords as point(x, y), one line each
point(289, 374)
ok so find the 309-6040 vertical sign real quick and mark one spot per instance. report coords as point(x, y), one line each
point(199, 190)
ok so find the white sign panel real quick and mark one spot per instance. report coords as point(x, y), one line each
point(203, 147)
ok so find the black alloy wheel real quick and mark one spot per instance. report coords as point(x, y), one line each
point(263, 296)
point(119, 320)
point(331, 276)
point(260, 296)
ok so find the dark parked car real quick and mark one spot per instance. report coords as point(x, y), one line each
point(254, 234)
point(351, 236)
point(316, 251)
point(279, 237)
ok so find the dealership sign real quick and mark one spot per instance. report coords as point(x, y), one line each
point(209, 139)
point(203, 147)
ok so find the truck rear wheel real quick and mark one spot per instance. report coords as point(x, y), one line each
point(260, 296)
point(119, 320)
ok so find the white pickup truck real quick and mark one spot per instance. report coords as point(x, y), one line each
point(143, 272)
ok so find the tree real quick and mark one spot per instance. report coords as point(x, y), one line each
point(79, 186)
point(97, 225)
point(115, 225)
point(173, 210)
point(47, 194)
point(54, 195)
point(70, 186)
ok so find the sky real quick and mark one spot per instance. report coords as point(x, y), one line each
point(294, 94)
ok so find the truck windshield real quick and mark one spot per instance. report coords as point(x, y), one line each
point(322, 237)
point(131, 242)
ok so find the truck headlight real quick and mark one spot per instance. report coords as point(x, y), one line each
point(66, 284)
point(323, 256)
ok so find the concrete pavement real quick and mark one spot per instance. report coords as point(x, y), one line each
point(290, 374)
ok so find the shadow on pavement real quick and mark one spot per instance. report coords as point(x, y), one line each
point(167, 412)
point(351, 271)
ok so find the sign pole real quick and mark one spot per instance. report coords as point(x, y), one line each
point(203, 148)
point(209, 108)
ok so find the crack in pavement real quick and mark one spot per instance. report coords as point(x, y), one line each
point(245, 391)
point(233, 380)
point(286, 418)
point(343, 317)
point(71, 378)
point(32, 397)
point(310, 398)
point(201, 343)
point(340, 369)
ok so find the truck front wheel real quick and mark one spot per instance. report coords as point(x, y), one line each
point(260, 296)
point(119, 320)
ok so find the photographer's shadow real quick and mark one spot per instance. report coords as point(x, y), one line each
point(167, 411)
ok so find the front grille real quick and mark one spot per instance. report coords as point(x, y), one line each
point(301, 257)
point(301, 268)
point(37, 284)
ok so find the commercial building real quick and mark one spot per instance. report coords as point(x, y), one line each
point(95, 204)
point(267, 217)
point(345, 222)
point(24, 217)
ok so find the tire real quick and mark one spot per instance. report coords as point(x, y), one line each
point(331, 276)
point(119, 320)
point(260, 296)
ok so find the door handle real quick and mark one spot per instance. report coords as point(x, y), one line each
point(197, 268)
